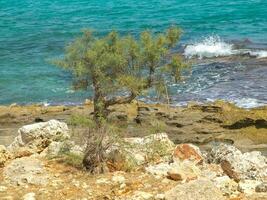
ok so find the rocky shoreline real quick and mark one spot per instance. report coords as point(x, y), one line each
point(202, 125)
point(138, 168)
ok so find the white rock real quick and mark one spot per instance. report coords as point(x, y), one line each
point(26, 170)
point(29, 196)
point(3, 188)
point(118, 179)
point(102, 181)
point(248, 186)
point(251, 165)
point(160, 197)
point(160, 169)
point(140, 195)
point(39, 135)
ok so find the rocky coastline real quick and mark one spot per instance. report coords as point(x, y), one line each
point(210, 151)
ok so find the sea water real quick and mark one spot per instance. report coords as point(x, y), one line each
point(33, 32)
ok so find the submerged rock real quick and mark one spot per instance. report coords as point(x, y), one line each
point(39, 135)
point(26, 170)
point(195, 190)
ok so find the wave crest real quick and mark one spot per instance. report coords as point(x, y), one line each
point(212, 46)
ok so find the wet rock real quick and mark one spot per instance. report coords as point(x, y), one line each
point(251, 165)
point(38, 136)
point(187, 152)
point(195, 190)
point(248, 186)
point(261, 187)
point(26, 170)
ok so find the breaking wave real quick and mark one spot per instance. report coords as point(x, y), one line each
point(214, 46)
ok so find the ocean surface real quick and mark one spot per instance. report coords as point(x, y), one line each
point(34, 32)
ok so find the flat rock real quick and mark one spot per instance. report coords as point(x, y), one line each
point(195, 190)
point(26, 170)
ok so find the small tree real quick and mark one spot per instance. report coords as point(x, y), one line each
point(119, 68)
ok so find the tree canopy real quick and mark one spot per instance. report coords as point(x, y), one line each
point(119, 68)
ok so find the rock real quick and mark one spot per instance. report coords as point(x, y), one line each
point(39, 135)
point(227, 186)
point(261, 187)
point(160, 197)
point(58, 148)
point(187, 152)
point(183, 171)
point(160, 169)
point(248, 186)
point(195, 190)
point(29, 196)
point(251, 165)
point(4, 155)
point(26, 170)
point(102, 181)
point(134, 152)
point(3, 188)
point(118, 179)
point(139, 195)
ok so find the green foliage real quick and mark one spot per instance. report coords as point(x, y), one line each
point(119, 68)
point(157, 126)
point(81, 121)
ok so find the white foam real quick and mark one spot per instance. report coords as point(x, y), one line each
point(212, 46)
point(248, 103)
point(259, 53)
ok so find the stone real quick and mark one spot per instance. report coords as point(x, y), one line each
point(4, 155)
point(187, 152)
point(140, 195)
point(118, 179)
point(160, 169)
point(183, 171)
point(39, 135)
point(248, 186)
point(200, 189)
point(177, 171)
point(226, 185)
point(261, 187)
point(239, 166)
point(135, 152)
point(160, 197)
point(3, 188)
point(26, 170)
point(29, 196)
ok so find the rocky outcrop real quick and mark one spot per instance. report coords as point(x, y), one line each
point(195, 190)
point(4, 155)
point(36, 137)
point(26, 170)
point(239, 166)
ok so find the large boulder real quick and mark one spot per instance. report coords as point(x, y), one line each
point(26, 170)
point(38, 136)
point(200, 189)
point(239, 166)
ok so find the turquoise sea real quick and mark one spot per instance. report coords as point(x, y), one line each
point(32, 32)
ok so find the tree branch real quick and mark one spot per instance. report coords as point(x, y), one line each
point(120, 100)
